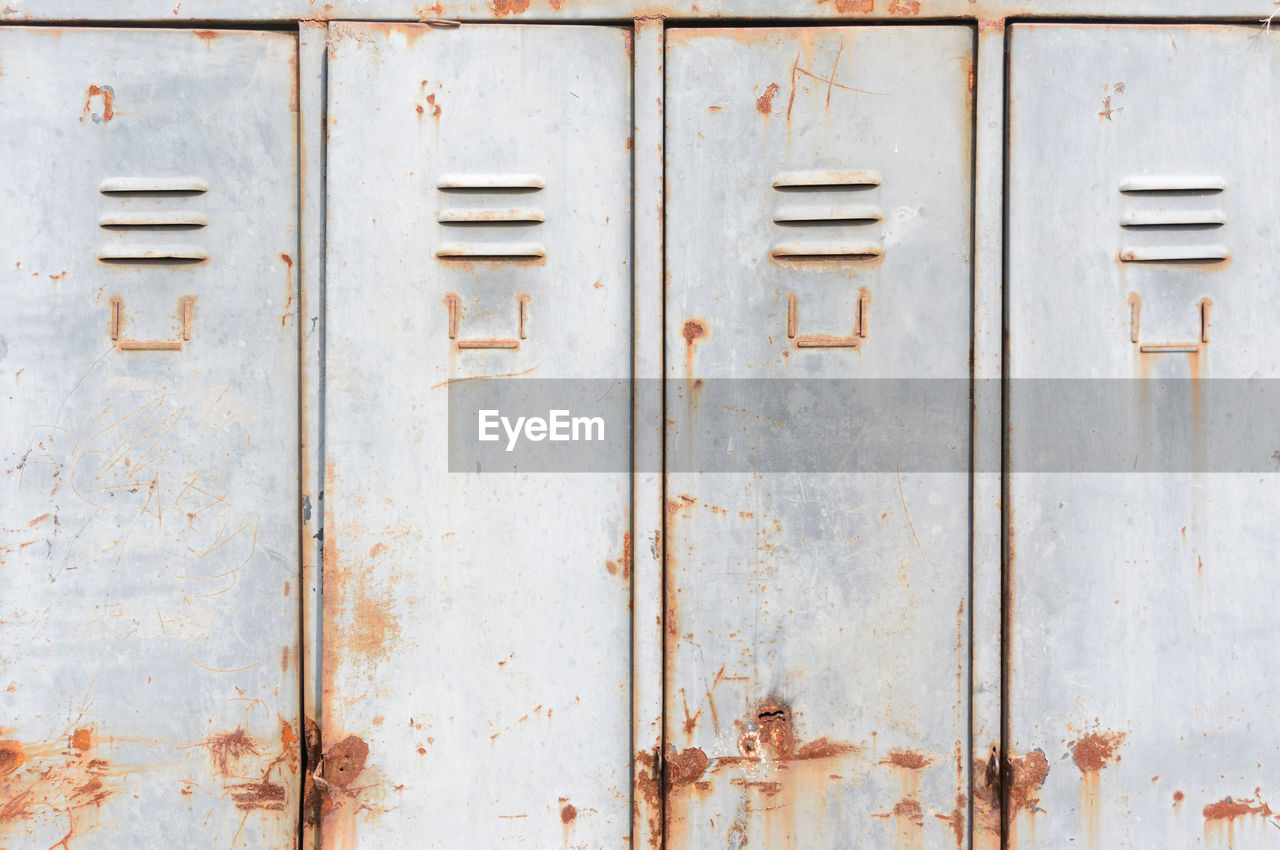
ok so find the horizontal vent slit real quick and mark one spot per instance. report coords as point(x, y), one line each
point(823, 214)
point(511, 216)
point(152, 219)
point(1158, 185)
point(152, 255)
point(492, 251)
point(829, 251)
point(1169, 348)
point(153, 185)
point(826, 180)
point(1174, 254)
point(1172, 218)
point(490, 183)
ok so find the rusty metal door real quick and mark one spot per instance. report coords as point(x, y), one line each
point(818, 231)
point(149, 357)
point(1140, 554)
point(477, 625)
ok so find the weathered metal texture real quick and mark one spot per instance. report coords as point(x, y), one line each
point(817, 671)
point(1140, 605)
point(148, 355)
point(477, 629)
point(531, 11)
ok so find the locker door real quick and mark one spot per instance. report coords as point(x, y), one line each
point(1141, 289)
point(476, 624)
point(818, 242)
point(148, 354)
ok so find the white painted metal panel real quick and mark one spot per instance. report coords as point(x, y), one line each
point(148, 439)
point(1142, 605)
point(819, 202)
point(477, 626)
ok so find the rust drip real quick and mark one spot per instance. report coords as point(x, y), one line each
point(1096, 750)
point(621, 564)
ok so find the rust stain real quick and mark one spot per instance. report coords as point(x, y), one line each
point(622, 564)
point(1178, 797)
point(822, 748)
point(567, 812)
point(765, 102)
point(205, 35)
point(909, 759)
point(684, 767)
point(955, 820)
point(911, 810)
point(508, 7)
point(82, 739)
point(263, 795)
point(1026, 777)
point(648, 791)
point(693, 331)
point(904, 7)
point(227, 748)
point(773, 729)
point(1094, 751)
point(108, 96)
point(12, 757)
point(1229, 809)
point(862, 7)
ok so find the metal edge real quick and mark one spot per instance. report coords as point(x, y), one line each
point(988, 365)
point(648, 479)
point(312, 54)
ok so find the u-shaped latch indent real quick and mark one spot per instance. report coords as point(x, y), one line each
point(454, 303)
point(854, 340)
point(186, 304)
point(1135, 315)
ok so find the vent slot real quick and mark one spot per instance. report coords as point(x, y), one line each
point(153, 255)
point(825, 180)
point(139, 220)
point(492, 251)
point(464, 217)
point(490, 183)
point(1172, 185)
point(161, 186)
point(847, 252)
point(817, 214)
point(1175, 254)
point(1174, 218)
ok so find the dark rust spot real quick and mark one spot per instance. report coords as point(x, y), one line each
point(1094, 751)
point(82, 739)
point(822, 748)
point(1229, 809)
point(344, 761)
point(205, 35)
point(685, 767)
point(909, 809)
point(11, 757)
point(693, 330)
point(1178, 797)
point(567, 813)
point(765, 102)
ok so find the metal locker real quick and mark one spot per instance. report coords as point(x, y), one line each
point(476, 625)
point(818, 237)
point(148, 355)
point(1140, 595)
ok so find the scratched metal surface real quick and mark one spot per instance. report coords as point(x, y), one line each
point(477, 631)
point(528, 11)
point(148, 536)
point(817, 624)
point(1142, 604)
